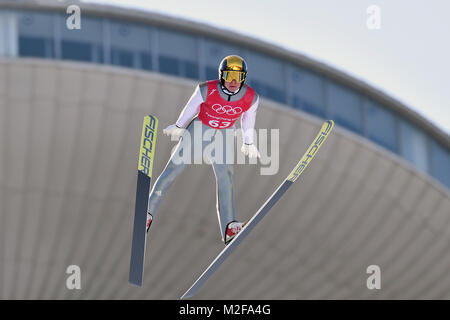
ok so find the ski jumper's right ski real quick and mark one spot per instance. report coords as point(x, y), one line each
point(273, 199)
point(145, 164)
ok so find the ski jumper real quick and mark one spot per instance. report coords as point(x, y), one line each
point(209, 107)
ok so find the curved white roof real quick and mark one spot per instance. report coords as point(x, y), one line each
point(67, 186)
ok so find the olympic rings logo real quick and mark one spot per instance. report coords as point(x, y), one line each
point(229, 110)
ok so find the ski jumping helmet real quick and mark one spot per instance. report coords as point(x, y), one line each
point(232, 68)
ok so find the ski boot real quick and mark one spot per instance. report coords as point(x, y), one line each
point(233, 228)
point(149, 220)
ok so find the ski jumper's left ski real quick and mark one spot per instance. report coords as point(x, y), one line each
point(145, 164)
point(273, 199)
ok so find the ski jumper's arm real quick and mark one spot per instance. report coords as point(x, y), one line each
point(248, 121)
point(191, 109)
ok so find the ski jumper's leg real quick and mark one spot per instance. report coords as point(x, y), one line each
point(226, 210)
point(168, 176)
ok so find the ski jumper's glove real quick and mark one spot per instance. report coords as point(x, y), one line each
point(250, 150)
point(174, 131)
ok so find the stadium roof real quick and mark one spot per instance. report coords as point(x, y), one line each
point(185, 25)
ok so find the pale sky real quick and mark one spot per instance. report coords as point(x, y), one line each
point(408, 57)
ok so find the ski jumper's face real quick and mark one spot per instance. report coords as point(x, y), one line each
point(232, 85)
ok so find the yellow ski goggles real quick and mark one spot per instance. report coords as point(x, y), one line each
point(231, 75)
